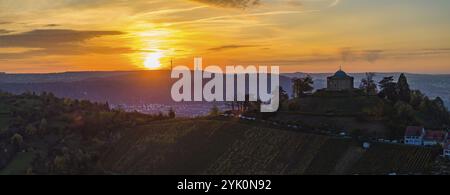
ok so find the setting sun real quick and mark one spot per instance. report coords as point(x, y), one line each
point(152, 61)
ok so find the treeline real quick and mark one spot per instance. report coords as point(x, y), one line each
point(65, 136)
point(403, 107)
point(400, 107)
point(411, 105)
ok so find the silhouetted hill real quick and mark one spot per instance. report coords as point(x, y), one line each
point(137, 87)
point(113, 87)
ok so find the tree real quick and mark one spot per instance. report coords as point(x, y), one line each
point(403, 115)
point(404, 92)
point(302, 85)
point(368, 84)
point(31, 130)
point(171, 113)
point(293, 105)
point(245, 105)
point(436, 111)
point(388, 89)
point(425, 105)
point(379, 110)
point(214, 111)
point(59, 162)
point(43, 125)
point(404, 110)
point(241, 106)
point(17, 140)
point(254, 107)
point(160, 115)
point(439, 104)
point(231, 104)
point(416, 98)
point(283, 96)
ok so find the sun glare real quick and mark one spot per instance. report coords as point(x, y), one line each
point(153, 60)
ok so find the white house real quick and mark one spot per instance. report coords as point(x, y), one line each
point(447, 150)
point(414, 135)
point(433, 138)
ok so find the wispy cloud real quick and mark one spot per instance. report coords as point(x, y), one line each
point(3, 31)
point(222, 18)
point(373, 55)
point(67, 50)
point(52, 25)
point(334, 3)
point(297, 32)
point(171, 11)
point(228, 47)
point(241, 4)
point(348, 55)
point(297, 3)
point(49, 37)
point(56, 42)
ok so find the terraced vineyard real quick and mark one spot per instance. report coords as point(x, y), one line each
point(394, 159)
point(271, 152)
point(330, 155)
point(229, 147)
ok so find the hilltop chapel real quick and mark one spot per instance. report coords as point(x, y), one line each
point(340, 81)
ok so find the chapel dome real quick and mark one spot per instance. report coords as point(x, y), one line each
point(340, 74)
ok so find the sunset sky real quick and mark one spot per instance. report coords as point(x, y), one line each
point(298, 35)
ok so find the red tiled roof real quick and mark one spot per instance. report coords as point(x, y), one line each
point(435, 135)
point(413, 131)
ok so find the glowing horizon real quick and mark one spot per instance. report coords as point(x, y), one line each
point(41, 36)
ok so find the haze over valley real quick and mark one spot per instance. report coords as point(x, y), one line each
point(149, 91)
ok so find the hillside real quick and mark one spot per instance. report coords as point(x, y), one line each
point(230, 147)
point(47, 135)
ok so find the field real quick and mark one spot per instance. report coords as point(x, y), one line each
point(203, 146)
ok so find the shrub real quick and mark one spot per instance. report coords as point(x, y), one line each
point(17, 140)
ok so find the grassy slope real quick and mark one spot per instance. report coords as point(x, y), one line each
point(19, 165)
point(230, 147)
